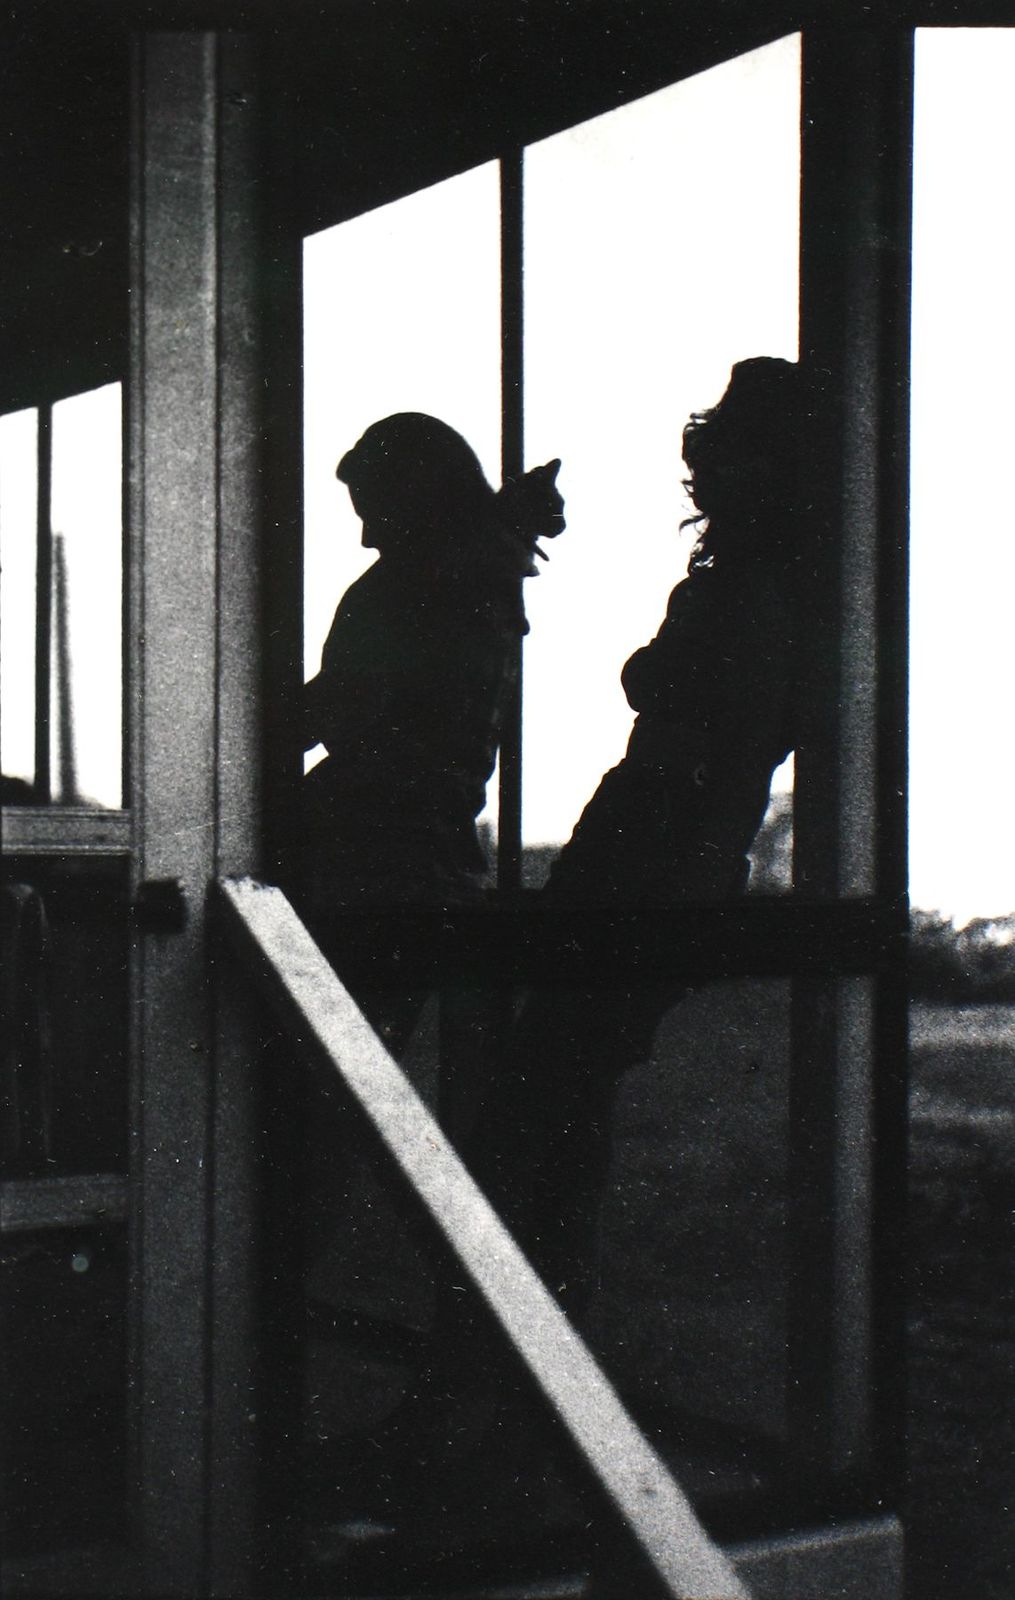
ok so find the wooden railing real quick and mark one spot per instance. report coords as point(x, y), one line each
point(654, 1509)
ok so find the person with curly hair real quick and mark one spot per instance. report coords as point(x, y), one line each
point(715, 702)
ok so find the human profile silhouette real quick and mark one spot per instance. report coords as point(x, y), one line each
point(714, 696)
point(410, 694)
point(713, 691)
point(414, 677)
point(408, 703)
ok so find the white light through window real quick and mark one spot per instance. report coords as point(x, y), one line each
point(17, 593)
point(962, 763)
point(402, 313)
point(87, 520)
point(661, 245)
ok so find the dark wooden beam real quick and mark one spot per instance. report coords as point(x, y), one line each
point(536, 943)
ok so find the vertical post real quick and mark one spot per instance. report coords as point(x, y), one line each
point(890, 1109)
point(43, 603)
point(194, 502)
point(854, 290)
point(282, 1319)
point(235, 1531)
point(172, 402)
point(509, 822)
point(282, 646)
point(850, 800)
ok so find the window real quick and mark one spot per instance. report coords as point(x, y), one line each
point(66, 889)
point(963, 552)
point(638, 261)
point(61, 533)
point(660, 246)
point(18, 566)
point(647, 260)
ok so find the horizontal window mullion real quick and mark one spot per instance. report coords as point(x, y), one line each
point(66, 831)
point(542, 944)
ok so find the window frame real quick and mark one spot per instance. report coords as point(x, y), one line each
point(194, 1085)
point(841, 935)
point(846, 1334)
point(44, 827)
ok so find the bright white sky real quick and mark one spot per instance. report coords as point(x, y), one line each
point(635, 309)
point(87, 511)
point(660, 247)
point(962, 738)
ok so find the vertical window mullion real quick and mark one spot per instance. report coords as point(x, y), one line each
point(43, 602)
point(509, 827)
point(849, 1034)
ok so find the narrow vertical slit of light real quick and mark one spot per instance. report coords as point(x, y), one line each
point(127, 602)
point(43, 602)
point(509, 827)
point(66, 755)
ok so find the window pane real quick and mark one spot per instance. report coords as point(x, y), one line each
point(660, 247)
point(86, 721)
point(66, 937)
point(962, 799)
point(402, 313)
point(691, 1311)
point(18, 434)
point(962, 645)
point(659, 1218)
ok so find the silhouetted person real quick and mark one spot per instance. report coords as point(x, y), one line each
point(673, 822)
point(414, 676)
point(408, 703)
point(714, 696)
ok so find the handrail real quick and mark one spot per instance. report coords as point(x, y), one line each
point(688, 1564)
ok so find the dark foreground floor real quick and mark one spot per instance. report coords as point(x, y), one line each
point(694, 1256)
point(689, 1298)
point(702, 1157)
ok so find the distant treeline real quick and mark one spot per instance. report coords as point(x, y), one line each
point(974, 965)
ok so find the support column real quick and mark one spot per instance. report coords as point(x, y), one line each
point(194, 498)
point(847, 1102)
point(512, 338)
